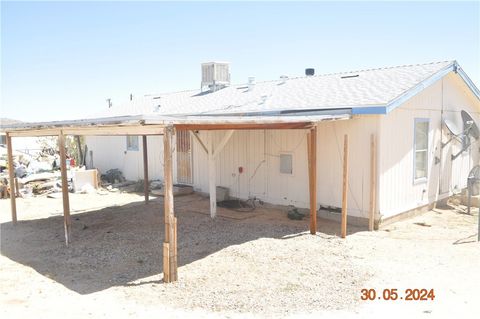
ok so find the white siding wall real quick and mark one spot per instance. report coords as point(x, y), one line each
point(397, 190)
point(330, 162)
point(245, 149)
point(257, 151)
point(111, 152)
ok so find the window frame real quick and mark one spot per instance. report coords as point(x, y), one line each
point(134, 148)
point(424, 179)
point(280, 163)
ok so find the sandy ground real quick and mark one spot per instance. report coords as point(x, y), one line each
point(239, 265)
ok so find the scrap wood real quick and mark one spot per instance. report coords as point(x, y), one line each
point(38, 177)
point(54, 195)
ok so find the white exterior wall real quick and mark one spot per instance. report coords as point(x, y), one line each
point(397, 191)
point(330, 162)
point(258, 151)
point(29, 145)
point(111, 152)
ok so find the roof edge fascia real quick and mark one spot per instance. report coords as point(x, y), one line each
point(399, 100)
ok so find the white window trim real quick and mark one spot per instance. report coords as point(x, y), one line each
point(420, 180)
point(293, 163)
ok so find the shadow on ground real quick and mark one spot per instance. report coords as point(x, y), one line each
point(117, 245)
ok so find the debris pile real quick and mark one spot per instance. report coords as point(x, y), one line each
point(113, 176)
point(295, 214)
point(40, 175)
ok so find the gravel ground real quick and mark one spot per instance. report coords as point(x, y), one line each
point(239, 264)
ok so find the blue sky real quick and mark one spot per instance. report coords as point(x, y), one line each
point(61, 60)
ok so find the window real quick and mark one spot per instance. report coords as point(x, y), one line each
point(286, 161)
point(420, 161)
point(132, 143)
point(3, 139)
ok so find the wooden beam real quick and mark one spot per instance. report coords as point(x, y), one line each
point(145, 169)
point(199, 140)
point(66, 203)
point(222, 143)
point(92, 131)
point(11, 178)
point(169, 247)
point(373, 182)
point(244, 126)
point(345, 186)
point(312, 177)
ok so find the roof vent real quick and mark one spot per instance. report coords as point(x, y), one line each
point(215, 75)
point(349, 76)
point(309, 72)
point(251, 83)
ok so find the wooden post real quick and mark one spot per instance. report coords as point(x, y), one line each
point(212, 178)
point(17, 190)
point(312, 177)
point(11, 178)
point(212, 186)
point(170, 244)
point(174, 249)
point(66, 203)
point(373, 182)
point(145, 169)
point(345, 186)
point(213, 152)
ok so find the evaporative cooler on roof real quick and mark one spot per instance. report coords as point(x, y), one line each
point(215, 75)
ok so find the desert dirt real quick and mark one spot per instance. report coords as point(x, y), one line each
point(238, 265)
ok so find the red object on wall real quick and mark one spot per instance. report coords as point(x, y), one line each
point(240, 169)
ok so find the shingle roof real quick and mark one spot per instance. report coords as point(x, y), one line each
point(356, 89)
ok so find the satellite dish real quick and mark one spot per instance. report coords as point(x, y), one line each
point(470, 128)
point(452, 127)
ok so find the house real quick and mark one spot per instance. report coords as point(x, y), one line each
point(399, 121)
point(409, 140)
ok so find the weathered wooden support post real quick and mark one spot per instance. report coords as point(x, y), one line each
point(345, 186)
point(212, 153)
point(170, 244)
point(312, 177)
point(17, 188)
point(373, 182)
point(146, 185)
point(11, 178)
point(212, 178)
point(66, 202)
